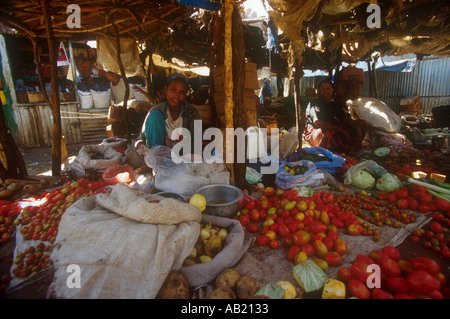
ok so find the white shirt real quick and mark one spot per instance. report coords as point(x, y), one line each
point(172, 124)
point(118, 92)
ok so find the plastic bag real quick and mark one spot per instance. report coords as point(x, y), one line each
point(368, 166)
point(252, 176)
point(288, 144)
point(115, 174)
point(311, 177)
point(327, 166)
point(183, 178)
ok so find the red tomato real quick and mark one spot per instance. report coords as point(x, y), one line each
point(254, 215)
point(252, 228)
point(283, 231)
point(308, 249)
point(345, 274)
point(390, 267)
point(365, 259)
point(334, 259)
point(274, 244)
point(378, 293)
point(392, 252)
point(359, 270)
point(426, 264)
point(422, 282)
point(358, 289)
point(262, 240)
point(301, 237)
point(293, 250)
point(397, 284)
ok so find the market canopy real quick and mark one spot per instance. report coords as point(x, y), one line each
point(321, 33)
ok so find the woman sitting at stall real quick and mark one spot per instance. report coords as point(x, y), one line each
point(329, 126)
point(173, 113)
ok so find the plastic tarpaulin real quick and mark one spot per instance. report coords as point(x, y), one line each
point(129, 54)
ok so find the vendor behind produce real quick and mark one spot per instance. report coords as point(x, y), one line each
point(173, 113)
point(117, 87)
point(329, 126)
point(265, 94)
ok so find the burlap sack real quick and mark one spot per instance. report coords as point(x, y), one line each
point(235, 247)
point(119, 256)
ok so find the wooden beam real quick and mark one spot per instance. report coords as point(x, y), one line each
point(55, 102)
point(124, 77)
point(228, 87)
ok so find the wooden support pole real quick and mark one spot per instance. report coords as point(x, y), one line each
point(229, 103)
point(300, 123)
point(55, 102)
point(239, 112)
point(125, 80)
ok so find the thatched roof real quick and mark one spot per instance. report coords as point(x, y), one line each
point(322, 29)
point(314, 32)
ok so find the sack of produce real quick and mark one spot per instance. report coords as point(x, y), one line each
point(101, 99)
point(86, 101)
point(125, 244)
point(300, 173)
point(376, 113)
point(214, 255)
point(114, 142)
point(99, 157)
point(183, 178)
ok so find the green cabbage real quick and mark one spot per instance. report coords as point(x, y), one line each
point(309, 276)
point(304, 191)
point(363, 180)
point(388, 183)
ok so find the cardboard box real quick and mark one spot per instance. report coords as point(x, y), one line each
point(411, 104)
point(348, 88)
point(250, 101)
point(35, 97)
point(251, 77)
point(351, 73)
point(206, 113)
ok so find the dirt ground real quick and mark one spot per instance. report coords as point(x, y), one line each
point(39, 160)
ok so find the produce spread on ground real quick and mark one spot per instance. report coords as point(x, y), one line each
point(340, 238)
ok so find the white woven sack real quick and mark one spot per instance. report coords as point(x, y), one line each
point(119, 257)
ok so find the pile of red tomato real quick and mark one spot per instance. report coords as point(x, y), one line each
point(418, 278)
point(39, 222)
point(305, 228)
point(8, 214)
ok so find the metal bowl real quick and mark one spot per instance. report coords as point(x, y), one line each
point(172, 195)
point(221, 199)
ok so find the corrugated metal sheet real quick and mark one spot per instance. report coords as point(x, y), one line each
point(35, 123)
point(428, 80)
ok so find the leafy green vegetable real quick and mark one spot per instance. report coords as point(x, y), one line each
point(363, 180)
point(272, 290)
point(388, 183)
point(309, 276)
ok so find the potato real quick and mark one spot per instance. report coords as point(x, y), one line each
point(228, 278)
point(246, 287)
point(175, 287)
point(222, 293)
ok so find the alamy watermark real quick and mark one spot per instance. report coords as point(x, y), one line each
point(251, 145)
